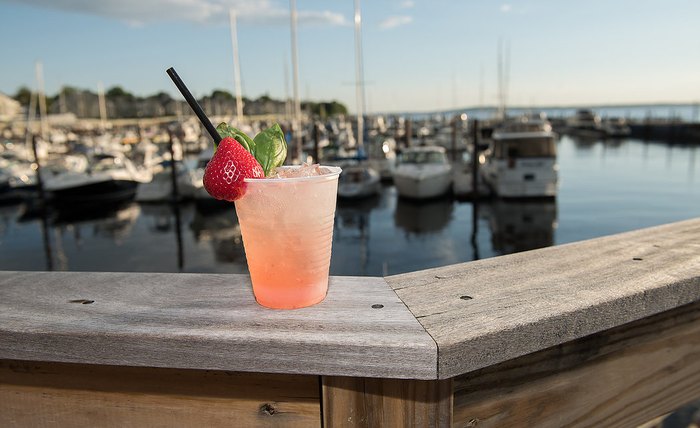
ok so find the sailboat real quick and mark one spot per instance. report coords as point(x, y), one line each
point(359, 180)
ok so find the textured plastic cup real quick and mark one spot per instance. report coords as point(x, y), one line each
point(287, 229)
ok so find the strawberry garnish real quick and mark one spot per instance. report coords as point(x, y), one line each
point(225, 173)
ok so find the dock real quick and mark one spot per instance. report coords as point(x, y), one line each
point(670, 131)
point(603, 332)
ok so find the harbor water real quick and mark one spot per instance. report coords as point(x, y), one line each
point(605, 187)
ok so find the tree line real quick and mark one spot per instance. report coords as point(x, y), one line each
point(120, 103)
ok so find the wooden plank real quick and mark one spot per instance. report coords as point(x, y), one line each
point(204, 321)
point(40, 394)
point(617, 378)
point(489, 311)
point(372, 402)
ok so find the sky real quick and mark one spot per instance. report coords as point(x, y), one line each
point(418, 55)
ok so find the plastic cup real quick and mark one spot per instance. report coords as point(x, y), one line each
point(287, 229)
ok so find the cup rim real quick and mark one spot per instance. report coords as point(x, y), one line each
point(334, 172)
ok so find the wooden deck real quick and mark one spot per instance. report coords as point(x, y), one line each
point(604, 332)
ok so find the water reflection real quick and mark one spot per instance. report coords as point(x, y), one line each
point(583, 142)
point(520, 225)
point(163, 218)
point(7, 216)
point(159, 217)
point(423, 217)
point(221, 229)
point(107, 221)
point(352, 227)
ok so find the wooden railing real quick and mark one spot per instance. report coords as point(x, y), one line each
point(604, 332)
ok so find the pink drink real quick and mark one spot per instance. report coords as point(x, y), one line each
point(287, 228)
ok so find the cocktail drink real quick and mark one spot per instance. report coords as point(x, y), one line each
point(286, 213)
point(287, 228)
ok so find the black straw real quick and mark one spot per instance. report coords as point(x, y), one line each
point(194, 104)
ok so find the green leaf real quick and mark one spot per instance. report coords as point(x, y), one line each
point(225, 130)
point(270, 148)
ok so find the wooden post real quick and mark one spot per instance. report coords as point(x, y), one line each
point(371, 402)
point(175, 202)
point(173, 168)
point(454, 138)
point(475, 159)
point(42, 207)
point(408, 132)
point(316, 138)
point(39, 181)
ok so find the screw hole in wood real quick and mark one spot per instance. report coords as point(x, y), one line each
point(377, 306)
point(268, 409)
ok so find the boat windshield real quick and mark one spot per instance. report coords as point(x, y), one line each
point(526, 148)
point(423, 157)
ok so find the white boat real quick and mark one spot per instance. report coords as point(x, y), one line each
point(522, 159)
point(423, 172)
point(109, 177)
point(585, 123)
point(160, 188)
point(616, 127)
point(358, 181)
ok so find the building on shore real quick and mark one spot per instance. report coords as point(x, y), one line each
point(9, 108)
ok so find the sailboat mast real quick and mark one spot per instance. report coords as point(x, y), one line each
point(287, 101)
point(42, 101)
point(236, 67)
point(102, 105)
point(31, 114)
point(359, 78)
point(296, 123)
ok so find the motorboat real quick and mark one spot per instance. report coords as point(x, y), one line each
point(522, 159)
point(585, 123)
point(423, 172)
point(616, 127)
point(109, 177)
point(358, 181)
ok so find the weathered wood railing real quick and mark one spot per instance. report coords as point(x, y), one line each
point(603, 332)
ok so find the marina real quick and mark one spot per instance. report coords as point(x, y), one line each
point(303, 226)
point(604, 186)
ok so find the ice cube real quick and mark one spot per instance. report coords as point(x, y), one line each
point(304, 170)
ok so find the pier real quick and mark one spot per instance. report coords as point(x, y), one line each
point(603, 332)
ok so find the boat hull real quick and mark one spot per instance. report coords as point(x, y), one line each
point(522, 178)
point(414, 187)
point(96, 192)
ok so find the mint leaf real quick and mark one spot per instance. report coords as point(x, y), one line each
point(270, 148)
point(225, 130)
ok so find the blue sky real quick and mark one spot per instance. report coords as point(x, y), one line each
point(419, 55)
